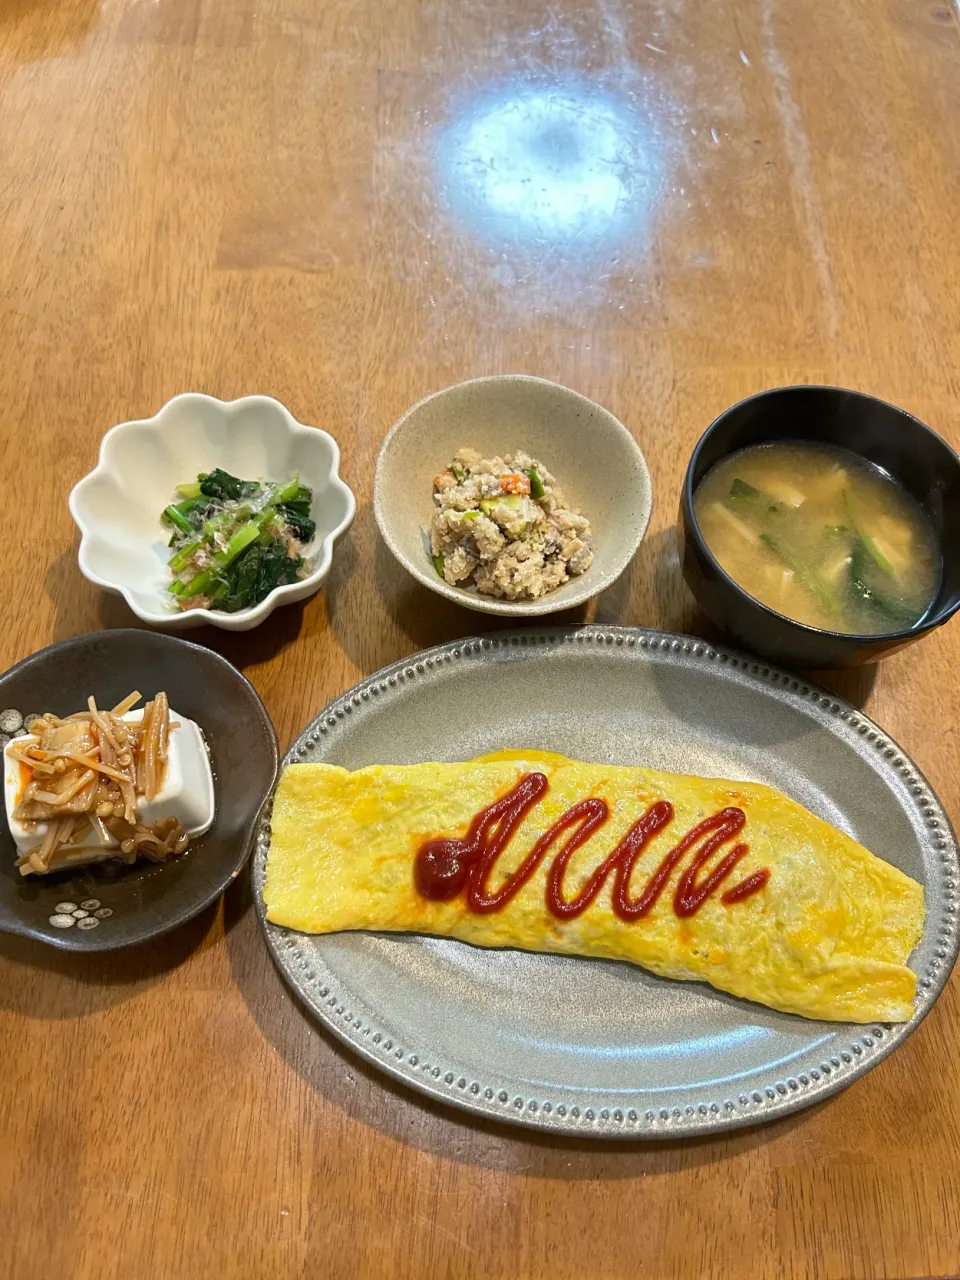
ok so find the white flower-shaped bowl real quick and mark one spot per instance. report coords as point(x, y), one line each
point(123, 545)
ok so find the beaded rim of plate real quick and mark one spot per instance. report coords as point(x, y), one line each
point(767, 1098)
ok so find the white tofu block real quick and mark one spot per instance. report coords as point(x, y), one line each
point(187, 794)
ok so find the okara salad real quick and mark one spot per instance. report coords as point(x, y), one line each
point(503, 524)
point(234, 540)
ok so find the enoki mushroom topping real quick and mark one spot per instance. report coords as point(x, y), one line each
point(90, 771)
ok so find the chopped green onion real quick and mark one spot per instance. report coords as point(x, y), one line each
point(438, 564)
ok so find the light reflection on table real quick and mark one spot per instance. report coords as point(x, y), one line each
point(563, 165)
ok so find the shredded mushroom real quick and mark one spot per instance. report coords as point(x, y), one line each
point(88, 771)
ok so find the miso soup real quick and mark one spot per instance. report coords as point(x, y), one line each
point(820, 535)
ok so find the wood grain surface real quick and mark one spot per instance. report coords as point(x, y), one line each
point(666, 204)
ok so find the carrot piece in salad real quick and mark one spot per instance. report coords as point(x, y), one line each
point(515, 482)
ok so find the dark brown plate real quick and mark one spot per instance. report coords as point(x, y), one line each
point(145, 900)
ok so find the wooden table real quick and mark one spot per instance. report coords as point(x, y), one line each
point(347, 205)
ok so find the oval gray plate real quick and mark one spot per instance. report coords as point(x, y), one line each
point(589, 1046)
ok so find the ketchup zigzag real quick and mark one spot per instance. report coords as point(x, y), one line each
point(445, 867)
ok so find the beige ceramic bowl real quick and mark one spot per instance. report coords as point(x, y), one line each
point(596, 461)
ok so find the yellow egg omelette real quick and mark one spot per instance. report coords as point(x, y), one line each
point(697, 879)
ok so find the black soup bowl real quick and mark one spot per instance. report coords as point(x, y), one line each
point(887, 436)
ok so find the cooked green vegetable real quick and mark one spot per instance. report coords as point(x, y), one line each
point(745, 496)
point(296, 512)
point(511, 500)
point(181, 557)
point(173, 515)
point(536, 484)
point(875, 587)
point(225, 487)
point(234, 541)
point(852, 509)
point(822, 536)
point(254, 574)
point(794, 560)
point(200, 584)
point(438, 564)
point(246, 534)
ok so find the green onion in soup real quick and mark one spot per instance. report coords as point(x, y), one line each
point(821, 535)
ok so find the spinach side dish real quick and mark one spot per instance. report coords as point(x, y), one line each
point(234, 541)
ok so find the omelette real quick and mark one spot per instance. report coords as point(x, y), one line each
point(697, 879)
